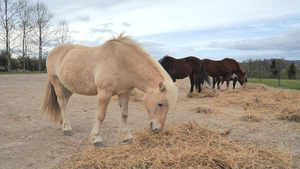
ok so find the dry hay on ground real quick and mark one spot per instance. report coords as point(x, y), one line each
point(289, 114)
point(259, 99)
point(206, 92)
point(206, 110)
point(188, 146)
point(251, 118)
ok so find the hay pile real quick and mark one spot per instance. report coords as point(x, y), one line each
point(206, 92)
point(258, 99)
point(251, 118)
point(188, 146)
point(206, 110)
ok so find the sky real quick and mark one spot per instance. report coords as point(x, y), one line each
point(214, 29)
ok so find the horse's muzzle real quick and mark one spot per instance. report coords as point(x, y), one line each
point(155, 127)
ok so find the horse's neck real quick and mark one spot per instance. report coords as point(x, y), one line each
point(239, 70)
point(146, 76)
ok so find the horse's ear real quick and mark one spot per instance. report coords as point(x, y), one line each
point(177, 83)
point(161, 86)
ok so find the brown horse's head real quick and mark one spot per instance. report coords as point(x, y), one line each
point(157, 103)
point(243, 79)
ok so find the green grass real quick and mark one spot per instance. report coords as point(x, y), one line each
point(284, 83)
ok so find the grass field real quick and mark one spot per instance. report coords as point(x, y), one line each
point(284, 83)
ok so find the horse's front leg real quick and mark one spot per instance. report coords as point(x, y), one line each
point(124, 133)
point(227, 78)
point(103, 101)
point(234, 83)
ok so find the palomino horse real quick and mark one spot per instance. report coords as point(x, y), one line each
point(181, 68)
point(225, 68)
point(114, 68)
point(217, 80)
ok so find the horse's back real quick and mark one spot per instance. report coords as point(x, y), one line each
point(75, 69)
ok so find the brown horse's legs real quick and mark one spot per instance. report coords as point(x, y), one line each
point(192, 83)
point(227, 78)
point(63, 96)
point(124, 134)
point(103, 101)
point(218, 83)
point(214, 82)
point(234, 83)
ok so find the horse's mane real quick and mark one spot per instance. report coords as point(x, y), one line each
point(167, 57)
point(172, 91)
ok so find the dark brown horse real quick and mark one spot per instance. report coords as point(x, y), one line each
point(225, 68)
point(189, 66)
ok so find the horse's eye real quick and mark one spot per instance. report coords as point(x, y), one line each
point(159, 104)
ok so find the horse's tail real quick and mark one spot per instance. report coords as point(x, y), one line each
point(50, 104)
point(204, 75)
point(197, 79)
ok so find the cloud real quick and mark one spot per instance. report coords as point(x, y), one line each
point(108, 24)
point(157, 50)
point(101, 30)
point(91, 42)
point(84, 18)
point(289, 41)
point(244, 55)
point(126, 24)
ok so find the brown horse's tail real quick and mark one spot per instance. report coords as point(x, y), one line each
point(197, 79)
point(50, 104)
point(204, 75)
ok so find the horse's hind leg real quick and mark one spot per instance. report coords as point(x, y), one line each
point(192, 83)
point(214, 82)
point(124, 134)
point(63, 95)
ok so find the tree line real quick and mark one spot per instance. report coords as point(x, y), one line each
point(271, 68)
point(26, 32)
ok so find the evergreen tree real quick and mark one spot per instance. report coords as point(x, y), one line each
point(292, 71)
point(273, 68)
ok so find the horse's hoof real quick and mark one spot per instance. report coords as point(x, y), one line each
point(98, 144)
point(128, 140)
point(67, 132)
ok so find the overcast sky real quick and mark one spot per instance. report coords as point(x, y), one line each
point(215, 29)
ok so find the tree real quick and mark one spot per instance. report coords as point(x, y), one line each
point(3, 61)
point(8, 11)
point(25, 15)
point(42, 19)
point(62, 32)
point(292, 71)
point(273, 68)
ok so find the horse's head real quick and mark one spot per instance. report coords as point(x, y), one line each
point(243, 79)
point(157, 103)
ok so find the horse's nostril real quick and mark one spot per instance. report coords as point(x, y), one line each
point(151, 124)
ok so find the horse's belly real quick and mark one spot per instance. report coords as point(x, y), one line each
point(80, 87)
point(80, 82)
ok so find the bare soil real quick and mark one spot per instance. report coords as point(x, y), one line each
point(28, 140)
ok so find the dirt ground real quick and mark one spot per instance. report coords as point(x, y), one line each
point(28, 140)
